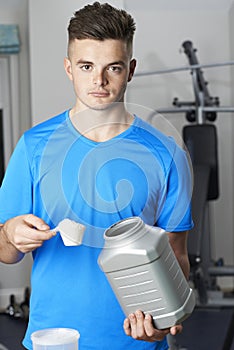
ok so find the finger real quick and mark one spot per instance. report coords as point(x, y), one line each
point(140, 328)
point(41, 236)
point(149, 328)
point(30, 247)
point(176, 329)
point(151, 331)
point(127, 327)
point(37, 229)
point(35, 221)
point(133, 325)
point(30, 241)
point(26, 233)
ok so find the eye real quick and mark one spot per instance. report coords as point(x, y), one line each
point(115, 69)
point(86, 67)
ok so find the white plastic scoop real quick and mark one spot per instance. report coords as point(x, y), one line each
point(71, 232)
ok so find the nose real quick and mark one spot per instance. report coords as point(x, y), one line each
point(99, 77)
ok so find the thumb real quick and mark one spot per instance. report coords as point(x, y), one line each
point(36, 222)
point(176, 329)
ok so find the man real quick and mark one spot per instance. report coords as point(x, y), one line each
point(95, 163)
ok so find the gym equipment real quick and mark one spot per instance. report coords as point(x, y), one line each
point(201, 142)
point(180, 69)
point(200, 138)
point(18, 310)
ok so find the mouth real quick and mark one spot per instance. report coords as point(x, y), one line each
point(99, 94)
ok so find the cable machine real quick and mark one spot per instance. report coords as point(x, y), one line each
point(200, 138)
point(202, 144)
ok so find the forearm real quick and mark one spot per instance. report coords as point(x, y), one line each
point(178, 241)
point(8, 253)
point(184, 264)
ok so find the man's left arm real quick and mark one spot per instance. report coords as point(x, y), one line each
point(178, 242)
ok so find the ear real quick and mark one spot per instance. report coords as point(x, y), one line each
point(68, 68)
point(132, 69)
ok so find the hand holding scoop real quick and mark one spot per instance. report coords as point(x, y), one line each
point(71, 232)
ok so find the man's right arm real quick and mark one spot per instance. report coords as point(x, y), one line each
point(20, 235)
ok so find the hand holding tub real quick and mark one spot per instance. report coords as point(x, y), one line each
point(140, 327)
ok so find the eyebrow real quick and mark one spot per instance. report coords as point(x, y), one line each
point(83, 62)
point(121, 63)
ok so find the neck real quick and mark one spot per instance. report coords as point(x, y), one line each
point(102, 125)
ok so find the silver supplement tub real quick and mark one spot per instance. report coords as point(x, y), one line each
point(144, 273)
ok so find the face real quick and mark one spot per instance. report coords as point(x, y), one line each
point(100, 71)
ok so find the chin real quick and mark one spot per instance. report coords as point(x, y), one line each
point(104, 106)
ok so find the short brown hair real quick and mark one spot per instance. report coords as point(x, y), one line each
point(100, 22)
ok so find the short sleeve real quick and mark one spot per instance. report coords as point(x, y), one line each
point(16, 189)
point(175, 214)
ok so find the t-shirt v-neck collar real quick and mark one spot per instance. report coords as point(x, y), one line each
point(92, 142)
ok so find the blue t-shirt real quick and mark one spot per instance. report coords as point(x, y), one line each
point(56, 173)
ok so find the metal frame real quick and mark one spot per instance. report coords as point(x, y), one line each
point(184, 68)
point(203, 108)
point(203, 103)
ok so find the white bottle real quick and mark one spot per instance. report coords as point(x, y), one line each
point(144, 273)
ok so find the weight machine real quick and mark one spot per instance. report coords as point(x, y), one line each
point(201, 142)
point(200, 138)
